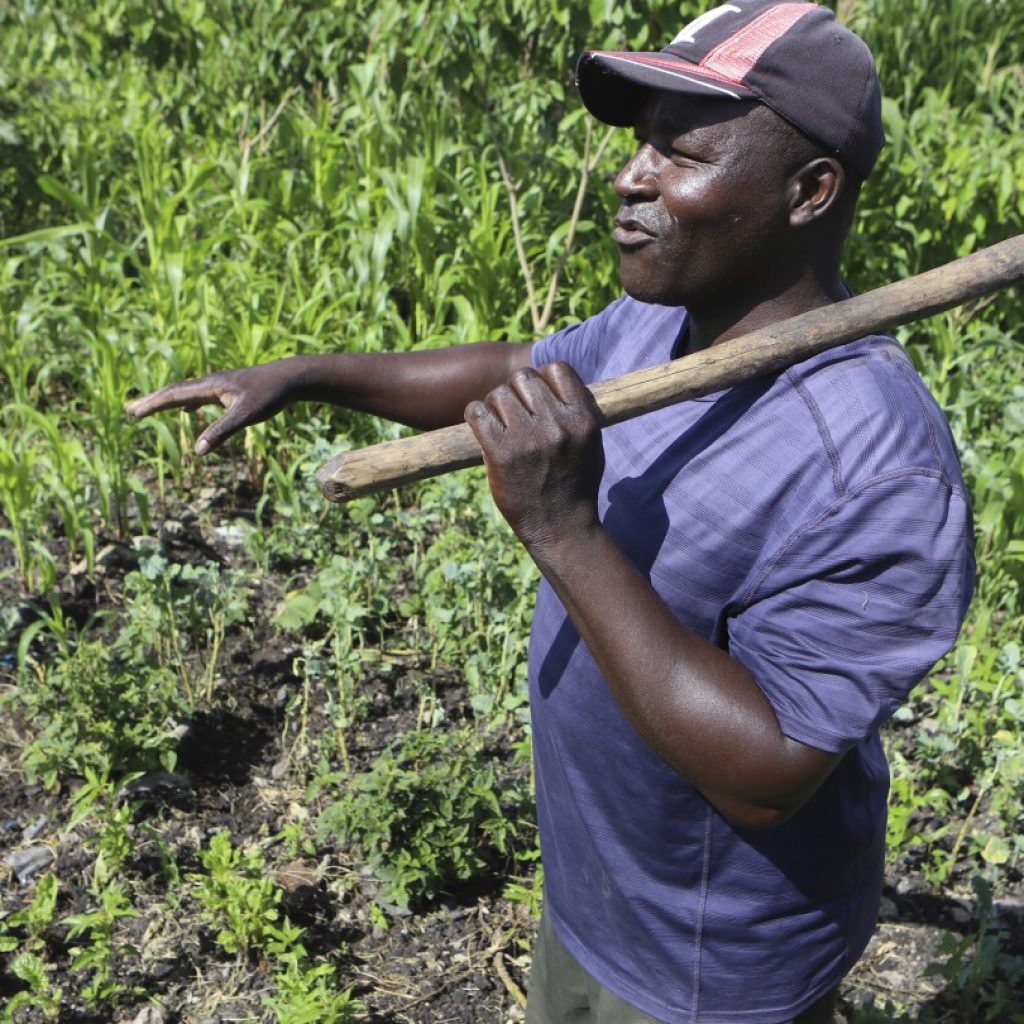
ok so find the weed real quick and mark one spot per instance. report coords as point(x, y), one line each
point(39, 994)
point(34, 919)
point(240, 901)
point(429, 813)
point(295, 840)
point(114, 839)
point(23, 933)
point(179, 613)
point(101, 953)
point(94, 711)
point(310, 995)
point(333, 602)
point(528, 890)
point(983, 980)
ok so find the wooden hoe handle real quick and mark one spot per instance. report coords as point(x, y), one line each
point(768, 350)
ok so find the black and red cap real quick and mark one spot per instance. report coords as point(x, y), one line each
point(794, 57)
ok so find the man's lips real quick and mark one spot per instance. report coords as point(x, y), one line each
point(630, 232)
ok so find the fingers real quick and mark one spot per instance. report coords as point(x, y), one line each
point(515, 402)
point(486, 426)
point(567, 385)
point(539, 392)
point(193, 394)
point(234, 420)
point(189, 394)
point(541, 444)
point(521, 399)
point(544, 402)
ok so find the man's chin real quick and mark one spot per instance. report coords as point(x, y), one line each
point(643, 289)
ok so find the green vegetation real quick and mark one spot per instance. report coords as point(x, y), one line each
point(240, 900)
point(90, 712)
point(195, 184)
point(23, 934)
point(241, 903)
point(429, 813)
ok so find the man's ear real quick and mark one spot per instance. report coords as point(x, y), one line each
point(814, 189)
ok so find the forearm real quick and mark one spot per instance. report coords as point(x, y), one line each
point(422, 389)
point(697, 707)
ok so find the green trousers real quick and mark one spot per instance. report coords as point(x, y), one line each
point(560, 991)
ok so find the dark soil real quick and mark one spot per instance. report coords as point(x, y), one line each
point(243, 765)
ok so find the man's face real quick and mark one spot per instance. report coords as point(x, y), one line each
point(703, 202)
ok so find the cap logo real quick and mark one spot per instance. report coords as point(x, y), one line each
point(736, 55)
point(689, 34)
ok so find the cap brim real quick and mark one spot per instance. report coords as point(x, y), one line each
point(614, 86)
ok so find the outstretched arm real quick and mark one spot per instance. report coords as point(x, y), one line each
point(426, 389)
point(697, 707)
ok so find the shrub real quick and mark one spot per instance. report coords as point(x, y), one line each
point(432, 811)
point(95, 711)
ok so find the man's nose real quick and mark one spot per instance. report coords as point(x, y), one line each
point(638, 178)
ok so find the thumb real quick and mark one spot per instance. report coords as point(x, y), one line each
point(234, 420)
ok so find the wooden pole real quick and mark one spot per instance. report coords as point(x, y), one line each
point(768, 350)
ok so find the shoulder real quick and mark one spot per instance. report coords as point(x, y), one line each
point(624, 336)
point(871, 414)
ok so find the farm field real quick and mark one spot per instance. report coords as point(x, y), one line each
point(263, 758)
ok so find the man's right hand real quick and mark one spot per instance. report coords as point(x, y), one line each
point(425, 389)
point(250, 396)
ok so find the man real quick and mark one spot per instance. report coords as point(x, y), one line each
point(737, 590)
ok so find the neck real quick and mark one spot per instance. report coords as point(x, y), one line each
point(732, 316)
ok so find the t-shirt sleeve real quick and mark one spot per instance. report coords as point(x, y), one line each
point(583, 346)
point(858, 606)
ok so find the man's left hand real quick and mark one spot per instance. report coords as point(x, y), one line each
point(542, 447)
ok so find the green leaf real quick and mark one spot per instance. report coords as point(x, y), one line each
point(44, 236)
point(297, 611)
point(996, 851)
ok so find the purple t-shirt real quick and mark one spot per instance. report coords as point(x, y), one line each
point(815, 525)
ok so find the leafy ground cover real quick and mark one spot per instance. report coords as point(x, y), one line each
point(265, 759)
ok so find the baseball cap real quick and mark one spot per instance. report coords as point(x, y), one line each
point(794, 57)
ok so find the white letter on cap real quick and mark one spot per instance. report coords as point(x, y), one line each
point(688, 35)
